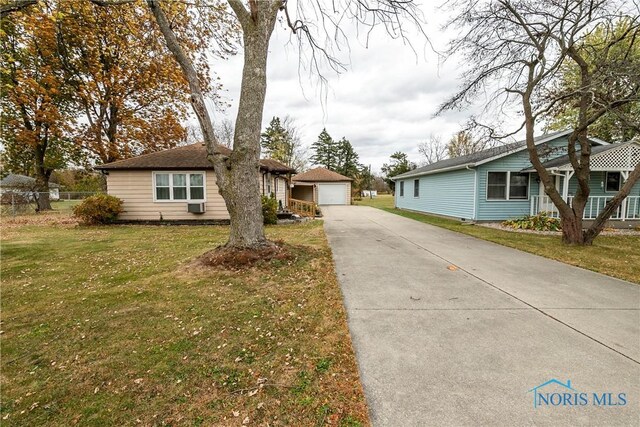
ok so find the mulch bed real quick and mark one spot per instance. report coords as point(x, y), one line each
point(238, 258)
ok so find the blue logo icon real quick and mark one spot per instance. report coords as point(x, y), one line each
point(555, 393)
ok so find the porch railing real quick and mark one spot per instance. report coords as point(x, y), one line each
point(302, 207)
point(628, 209)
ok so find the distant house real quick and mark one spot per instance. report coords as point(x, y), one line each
point(322, 187)
point(26, 185)
point(179, 184)
point(500, 183)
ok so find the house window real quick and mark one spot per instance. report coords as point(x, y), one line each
point(163, 189)
point(507, 186)
point(497, 186)
point(612, 182)
point(179, 186)
point(518, 186)
point(416, 188)
point(401, 188)
point(196, 186)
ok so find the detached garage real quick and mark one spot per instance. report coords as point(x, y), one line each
point(322, 186)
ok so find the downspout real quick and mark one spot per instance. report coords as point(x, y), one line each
point(475, 192)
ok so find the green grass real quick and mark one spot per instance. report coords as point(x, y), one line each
point(117, 326)
point(616, 256)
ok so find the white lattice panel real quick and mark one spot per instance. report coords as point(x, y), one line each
point(619, 159)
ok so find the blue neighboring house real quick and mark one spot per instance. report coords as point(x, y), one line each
point(500, 183)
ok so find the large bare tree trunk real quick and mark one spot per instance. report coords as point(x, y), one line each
point(243, 188)
point(237, 176)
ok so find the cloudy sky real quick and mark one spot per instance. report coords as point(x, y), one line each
point(383, 103)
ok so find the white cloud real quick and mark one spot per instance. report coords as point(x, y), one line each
point(384, 103)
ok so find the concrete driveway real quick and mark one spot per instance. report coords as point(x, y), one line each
point(452, 330)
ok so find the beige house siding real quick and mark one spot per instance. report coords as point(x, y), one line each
point(135, 188)
point(280, 190)
point(348, 193)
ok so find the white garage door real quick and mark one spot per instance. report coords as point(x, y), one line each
point(332, 194)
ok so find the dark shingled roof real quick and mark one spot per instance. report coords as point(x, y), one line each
point(321, 175)
point(192, 156)
point(472, 159)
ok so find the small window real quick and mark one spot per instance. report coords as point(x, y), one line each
point(416, 188)
point(196, 186)
point(401, 188)
point(613, 181)
point(179, 186)
point(163, 190)
point(518, 186)
point(497, 186)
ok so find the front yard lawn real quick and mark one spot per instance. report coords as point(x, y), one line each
point(616, 256)
point(116, 326)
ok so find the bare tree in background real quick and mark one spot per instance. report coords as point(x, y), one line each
point(433, 150)
point(516, 50)
point(224, 131)
point(464, 143)
point(297, 154)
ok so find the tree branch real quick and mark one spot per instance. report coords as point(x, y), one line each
point(15, 6)
point(197, 97)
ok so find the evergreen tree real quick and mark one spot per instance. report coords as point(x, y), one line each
point(276, 140)
point(347, 162)
point(399, 164)
point(325, 151)
point(281, 141)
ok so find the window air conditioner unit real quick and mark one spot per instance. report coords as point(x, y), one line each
point(196, 208)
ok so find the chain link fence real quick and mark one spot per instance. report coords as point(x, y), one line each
point(19, 202)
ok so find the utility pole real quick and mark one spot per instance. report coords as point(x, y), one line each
point(369, 178)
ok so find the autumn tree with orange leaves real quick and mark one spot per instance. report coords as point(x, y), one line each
point(38, 116)
point(77, 78)
point(133, 96)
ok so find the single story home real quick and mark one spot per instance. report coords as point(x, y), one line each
point(322, 187)
point(500, 183)
point(26, 185)
point(179, 184)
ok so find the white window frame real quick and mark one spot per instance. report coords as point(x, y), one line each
point(606, 180)
point(401, 188)
point(416, 187)
point(188, 174)
point(508, 188)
